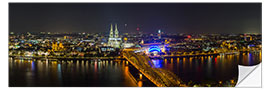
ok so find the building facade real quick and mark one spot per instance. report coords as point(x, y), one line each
point(114, 39)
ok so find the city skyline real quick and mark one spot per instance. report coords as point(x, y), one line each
point(148, 17)
point(132, 44)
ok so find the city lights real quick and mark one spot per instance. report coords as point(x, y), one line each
point(160, 45)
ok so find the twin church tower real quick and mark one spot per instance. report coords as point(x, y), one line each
point(114, 39)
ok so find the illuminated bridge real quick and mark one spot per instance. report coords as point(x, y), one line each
point(160, 77)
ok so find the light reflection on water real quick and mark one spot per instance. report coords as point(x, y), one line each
point(115, 73)
point(68, 73)
point(140, 83)
point(208, 69)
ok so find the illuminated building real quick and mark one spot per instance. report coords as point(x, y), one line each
point(114, 40)
point(154, 48)
point(159, 34)
point(60, 46)
point(57, 47)
point(54, 46)
point(248, 38)
point(127, 45)
point(125, 39)
point(142, 42)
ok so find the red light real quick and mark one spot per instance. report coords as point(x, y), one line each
point(188, 36)
point(137, 29)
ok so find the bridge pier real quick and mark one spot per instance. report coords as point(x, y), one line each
point(138, 77)
point(126, 63)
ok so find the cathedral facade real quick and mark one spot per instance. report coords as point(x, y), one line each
point(114, 39)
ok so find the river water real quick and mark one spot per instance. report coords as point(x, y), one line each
point(94, 73)
point(220, 70)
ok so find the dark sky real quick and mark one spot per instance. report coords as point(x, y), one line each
point(149, 17)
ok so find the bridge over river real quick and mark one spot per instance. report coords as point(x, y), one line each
point(160, 77)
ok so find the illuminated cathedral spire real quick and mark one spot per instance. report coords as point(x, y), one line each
point(111, 32)
point(116, 32)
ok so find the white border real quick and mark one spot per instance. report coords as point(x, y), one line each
point(4, 40)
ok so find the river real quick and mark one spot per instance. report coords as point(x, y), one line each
point(93, 73)
point(220, 70)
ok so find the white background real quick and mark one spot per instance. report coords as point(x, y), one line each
point(4, 44)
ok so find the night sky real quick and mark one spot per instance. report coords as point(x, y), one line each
point(149, 17)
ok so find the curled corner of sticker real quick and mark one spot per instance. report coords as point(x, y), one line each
point(249, 76)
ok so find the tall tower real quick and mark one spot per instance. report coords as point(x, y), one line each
point(116, 32)
point(111, 32)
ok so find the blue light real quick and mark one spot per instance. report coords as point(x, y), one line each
point(252, 45)
point(33, 66)
point(157, 63)
point(154, 48)
point(59, 67)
